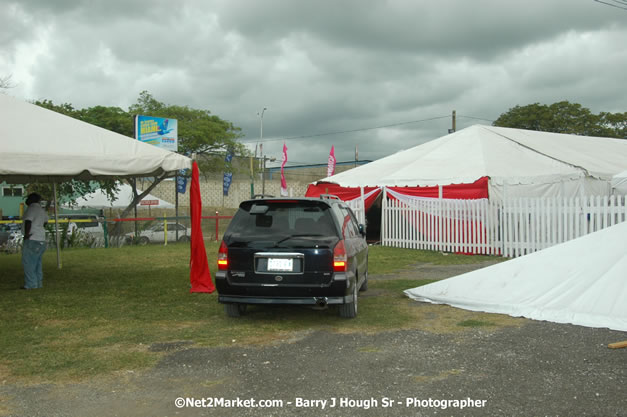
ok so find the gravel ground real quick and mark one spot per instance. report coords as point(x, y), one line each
point(537, 369)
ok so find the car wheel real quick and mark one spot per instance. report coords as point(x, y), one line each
point(184, 239)
point(349, 310)
point(144, 240)
point(234, 309)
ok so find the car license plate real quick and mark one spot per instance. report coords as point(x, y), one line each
point(280, 264)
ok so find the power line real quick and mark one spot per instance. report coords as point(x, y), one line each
point(350, 131)
point(613, 5)
point(477, 118)
point(364, 129)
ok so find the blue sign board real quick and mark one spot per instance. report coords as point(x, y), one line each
point(157, 131)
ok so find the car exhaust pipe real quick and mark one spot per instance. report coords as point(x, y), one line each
point(321, 301)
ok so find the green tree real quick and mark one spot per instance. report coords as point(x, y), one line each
point(199, 132)
point(111, 118)
point(565, 117)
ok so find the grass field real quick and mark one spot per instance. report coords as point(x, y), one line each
point(110, 310)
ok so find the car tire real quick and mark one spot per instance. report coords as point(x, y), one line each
point(349, 310)
point(184, 239)
point(143, 240)
point(234, 309)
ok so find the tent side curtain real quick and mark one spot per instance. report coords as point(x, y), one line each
point(344, 193)
point(473, 191)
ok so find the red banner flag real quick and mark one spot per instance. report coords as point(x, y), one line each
point(199, 273)
point(283, 182)
point(331, 165)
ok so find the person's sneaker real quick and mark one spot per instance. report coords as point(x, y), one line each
point(24, 288)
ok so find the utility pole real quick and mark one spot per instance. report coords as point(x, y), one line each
point(454, 121)
point(260, 114)
point(260, 145)
point(260, 162)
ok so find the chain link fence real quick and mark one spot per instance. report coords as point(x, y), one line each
point(93, 231)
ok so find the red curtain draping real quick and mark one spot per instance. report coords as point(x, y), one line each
point(199, 273)
point(344, 193)
point(473, 191)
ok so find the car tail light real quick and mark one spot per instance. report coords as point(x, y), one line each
point(223, 257)
point(339, 257)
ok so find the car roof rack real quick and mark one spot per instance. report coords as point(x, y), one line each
point(329, 197)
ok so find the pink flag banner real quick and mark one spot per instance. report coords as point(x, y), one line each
point(283, 182)
point(331, 165)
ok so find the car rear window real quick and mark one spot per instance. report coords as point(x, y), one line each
point(281, 220)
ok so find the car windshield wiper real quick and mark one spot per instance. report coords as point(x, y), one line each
point(300, 235)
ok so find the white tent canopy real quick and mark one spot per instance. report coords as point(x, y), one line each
point(580, 282)
point(39, 145)
point(619, 183)
point(99, 199)
point(518, 162)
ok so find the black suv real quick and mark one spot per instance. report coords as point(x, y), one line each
point(293, 251)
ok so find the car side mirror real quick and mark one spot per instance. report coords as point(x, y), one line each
point(362, 230)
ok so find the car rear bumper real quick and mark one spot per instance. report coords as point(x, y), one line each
point(285, 300)
point(334, 292)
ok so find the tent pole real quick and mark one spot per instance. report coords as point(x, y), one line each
point(176, 203)
point(56, 224)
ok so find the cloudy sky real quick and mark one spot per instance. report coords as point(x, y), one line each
point(380, 75)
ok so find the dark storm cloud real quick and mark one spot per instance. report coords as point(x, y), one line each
point(321, 67)
point(450, 27)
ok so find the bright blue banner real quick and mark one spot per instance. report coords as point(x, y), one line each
point(228, 176)
point(157, 131)
point(226, 182)
point(181, 182)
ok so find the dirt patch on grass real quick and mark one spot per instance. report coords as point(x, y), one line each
point(170, 346)
point(444, 319)
point(433, 271)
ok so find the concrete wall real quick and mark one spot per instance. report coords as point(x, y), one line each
point(297, 178)
point(211, 191)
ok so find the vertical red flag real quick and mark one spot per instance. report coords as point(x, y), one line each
point(283, 182)
point(199, 273)
point(331, 165)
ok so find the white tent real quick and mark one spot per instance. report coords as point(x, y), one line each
point(99, 200)
point(39, 145)
point(582, 282)
point(619, 183)
point(518, 163)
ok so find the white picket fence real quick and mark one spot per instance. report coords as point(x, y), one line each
point(468, 226)
point(530, 225)
point(358, 207)
point(513, 228)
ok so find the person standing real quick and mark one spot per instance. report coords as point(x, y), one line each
point(72, 230)
point(34, 246)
